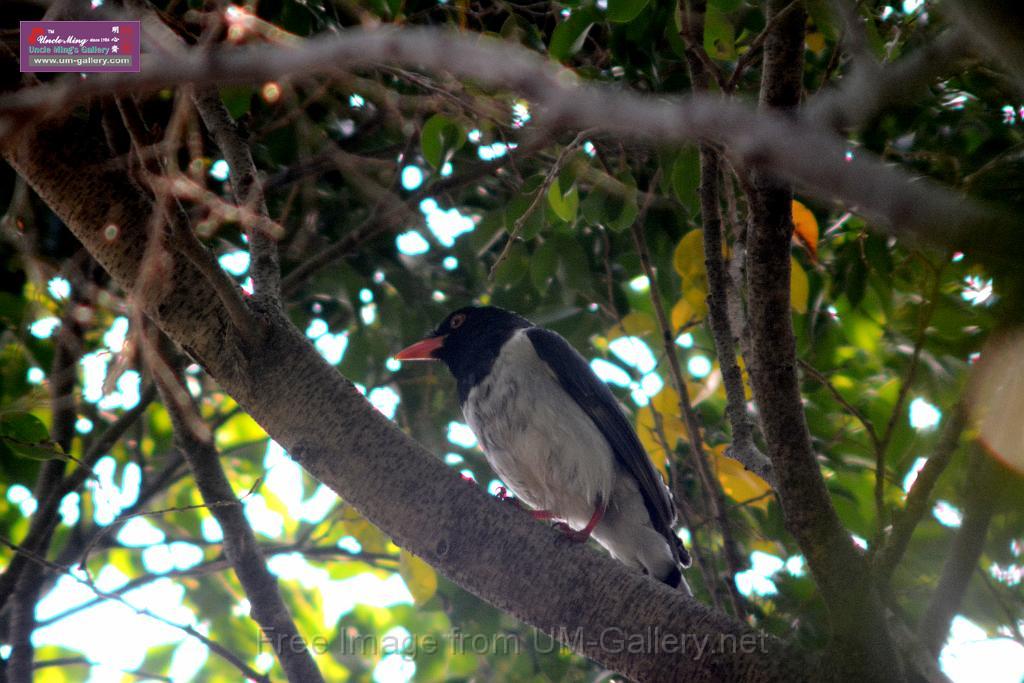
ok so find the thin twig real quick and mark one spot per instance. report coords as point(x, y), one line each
point(748, 58)
point(268, 608)
point(885, 439)
point(743, 449)
point(916, 506)
point(122, 519)
point(542, 193)
point(216, 647)
point(713, 490)
point(850, 408)
point(245, 185)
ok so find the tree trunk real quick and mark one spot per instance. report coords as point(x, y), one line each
point(603, 610)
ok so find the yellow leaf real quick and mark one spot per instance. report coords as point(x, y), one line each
point(653, 446)
point(738, 483)
point(370, 538)
point(695, 291)
point(666, 402)
point(805, 228)
point(636, 324)
point(238, 430)
point(682, 314)
point(688, 257)
point(664, 413)
point(799, 287)
point(420, 578)
point(815, 42)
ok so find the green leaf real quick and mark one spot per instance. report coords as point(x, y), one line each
point(719, 35)
point(568, 37)
point(622, 11)
point(564, 203)
point(34, 451)
point(23, 427)
point(623, 209)
point(725, 5)
point(14, 367)
point(514, 267)
point(574, 266)
point(612, 204)
point(440, 137)
point(543, 265)
point(822, 15)
point(534, 223)
point(237, 98)
point(158, 658)
point(686, 178)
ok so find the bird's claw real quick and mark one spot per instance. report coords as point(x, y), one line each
point(504, 496)
point(572, 535)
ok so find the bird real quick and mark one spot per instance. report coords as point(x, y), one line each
point(555, 434)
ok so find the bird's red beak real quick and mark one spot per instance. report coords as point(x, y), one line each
point(421, 350)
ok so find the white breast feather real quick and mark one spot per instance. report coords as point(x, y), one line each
point(536, 438)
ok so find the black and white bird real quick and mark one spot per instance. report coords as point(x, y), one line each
point(557, 437)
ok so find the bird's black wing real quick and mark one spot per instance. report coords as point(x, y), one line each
point(579, 381)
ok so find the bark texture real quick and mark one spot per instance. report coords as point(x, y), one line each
point(862, 648)
point(573, 592)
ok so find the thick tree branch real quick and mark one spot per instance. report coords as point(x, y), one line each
point(27, 585)
point(327, 426)
point(862, 647)
point(743, 447)
point(268, 607)
point(793, 148)
point(984, 482)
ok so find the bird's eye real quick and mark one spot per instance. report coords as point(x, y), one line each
point(457, 321)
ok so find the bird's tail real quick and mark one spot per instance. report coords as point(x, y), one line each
point(683, 560)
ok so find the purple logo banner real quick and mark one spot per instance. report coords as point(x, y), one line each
point(80, 46)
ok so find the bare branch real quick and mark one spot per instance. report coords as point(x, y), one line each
point(748, 58)
point(793, 148)
point(698, 455)
point(189, 630)
point(248, 192)
point(869, 88)
point(917, 504)
point(984, 482)
point(332, 431)
point(27, 585)
point(743, 448)
point(167, 211)
point(268, 606)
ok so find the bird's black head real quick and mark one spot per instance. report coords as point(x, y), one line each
point(468, 341)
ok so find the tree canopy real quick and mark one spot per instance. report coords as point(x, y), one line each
point(787, 234)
